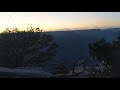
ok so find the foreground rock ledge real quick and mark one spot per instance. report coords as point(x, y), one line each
point(35, 72)
point(23, 72)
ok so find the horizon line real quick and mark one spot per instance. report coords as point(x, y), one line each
point(68, 29)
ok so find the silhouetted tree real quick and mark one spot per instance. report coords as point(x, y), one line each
point(102, 51)
point(31, 46)
point(108, 54)
point(116, 58)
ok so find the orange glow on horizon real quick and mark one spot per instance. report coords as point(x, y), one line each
point(49, 21)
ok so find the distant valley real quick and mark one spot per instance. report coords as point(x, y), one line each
point(74, 44)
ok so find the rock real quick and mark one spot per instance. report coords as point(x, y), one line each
point(31, 68)
point(24, 72)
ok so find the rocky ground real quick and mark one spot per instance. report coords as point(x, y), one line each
point(36, 72)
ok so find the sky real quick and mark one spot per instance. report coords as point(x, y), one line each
point(59, 20)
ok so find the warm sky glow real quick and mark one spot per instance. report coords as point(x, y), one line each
point(58, 20)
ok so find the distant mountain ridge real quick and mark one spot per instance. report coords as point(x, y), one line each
point(78, 40)
point(79, 29)
point(74, 44)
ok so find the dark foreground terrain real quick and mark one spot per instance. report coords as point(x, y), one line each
point(73, 45)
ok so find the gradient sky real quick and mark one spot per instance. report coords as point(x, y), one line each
point(58, 20)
